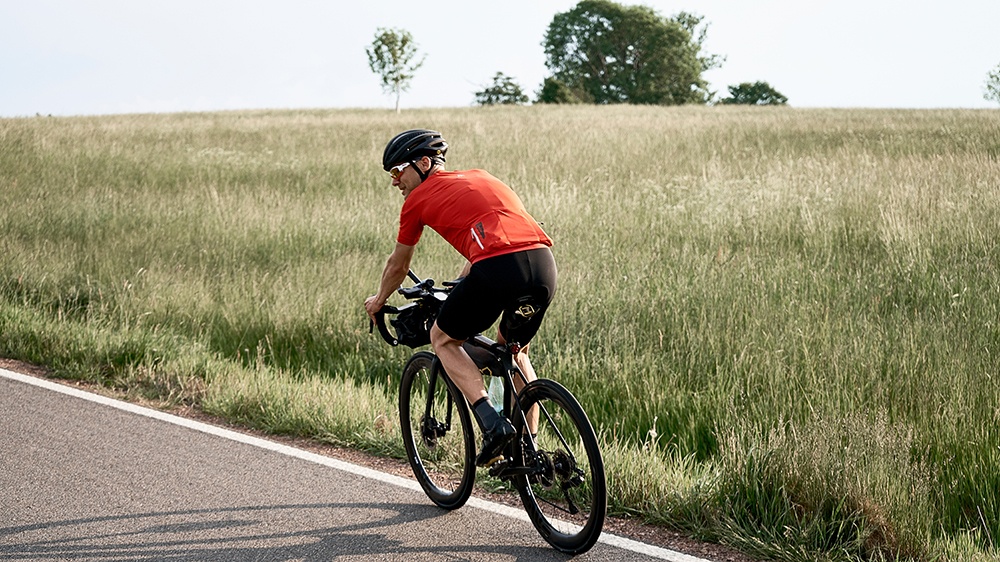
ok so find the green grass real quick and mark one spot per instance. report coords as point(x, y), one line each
point(784, 323)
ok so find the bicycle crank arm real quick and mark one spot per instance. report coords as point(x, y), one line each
point(502, 470)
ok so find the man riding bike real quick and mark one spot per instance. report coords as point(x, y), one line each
point(510, 272)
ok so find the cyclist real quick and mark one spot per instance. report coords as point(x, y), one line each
point(510, 271)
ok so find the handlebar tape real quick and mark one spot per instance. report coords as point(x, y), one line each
point(383, 330)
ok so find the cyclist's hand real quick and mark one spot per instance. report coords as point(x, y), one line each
point(372, 306)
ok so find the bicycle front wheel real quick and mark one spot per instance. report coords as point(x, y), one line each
point(566, 493)
point(437, 432)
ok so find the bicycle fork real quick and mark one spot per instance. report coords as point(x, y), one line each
point(430, 428)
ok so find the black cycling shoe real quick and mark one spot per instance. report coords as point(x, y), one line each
point(494, 441)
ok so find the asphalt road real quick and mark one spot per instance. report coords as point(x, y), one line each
point(89, 478)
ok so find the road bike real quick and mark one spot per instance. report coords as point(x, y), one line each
point(555, 465)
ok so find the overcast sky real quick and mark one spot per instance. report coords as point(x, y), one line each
point(82, 57)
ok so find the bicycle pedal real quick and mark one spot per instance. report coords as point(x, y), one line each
point(498, 467)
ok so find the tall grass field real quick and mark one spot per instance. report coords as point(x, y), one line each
point(784, 323)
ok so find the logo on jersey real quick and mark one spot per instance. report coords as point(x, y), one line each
point(478, 233)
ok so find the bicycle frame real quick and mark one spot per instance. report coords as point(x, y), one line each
point(512, 403)
point(504, 354)
point(440, 429)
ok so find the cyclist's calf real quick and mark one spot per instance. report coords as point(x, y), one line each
point(457, 363)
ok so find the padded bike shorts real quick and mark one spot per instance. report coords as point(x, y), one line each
point(515, 287)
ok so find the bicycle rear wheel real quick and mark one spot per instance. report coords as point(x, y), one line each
point(567, 498)
point(437, 432)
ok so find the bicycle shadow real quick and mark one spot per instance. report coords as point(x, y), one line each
point(275, 532)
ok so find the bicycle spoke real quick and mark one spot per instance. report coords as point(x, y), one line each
point(570, 510)
point(555, 427)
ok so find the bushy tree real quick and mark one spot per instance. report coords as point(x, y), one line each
point(991, 90)
point(605, 52)
point(554, 91)
point(391, 56)
point(755, 93)
point(503, 91)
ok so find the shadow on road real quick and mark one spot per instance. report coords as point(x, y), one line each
point(277, 532)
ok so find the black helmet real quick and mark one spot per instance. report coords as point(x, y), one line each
point(413, 144)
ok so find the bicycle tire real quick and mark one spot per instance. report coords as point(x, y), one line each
point(442, 456)
point(568, 447)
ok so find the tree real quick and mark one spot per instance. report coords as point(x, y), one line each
point(693, 24)
point(756, 93)
point(608, 53)
point(991, 90)
point(503, 91)
point(554, 91)
point(391, 56)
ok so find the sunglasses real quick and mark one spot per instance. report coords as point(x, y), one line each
point(397, 171)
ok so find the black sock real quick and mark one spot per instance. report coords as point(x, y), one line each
point(487, 417)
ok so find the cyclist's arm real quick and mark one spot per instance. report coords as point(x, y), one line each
point(396, 268)
point(465, 270)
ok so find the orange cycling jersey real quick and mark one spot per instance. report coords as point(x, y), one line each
point(475, 212)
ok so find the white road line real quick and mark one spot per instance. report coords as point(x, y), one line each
point(606, 538)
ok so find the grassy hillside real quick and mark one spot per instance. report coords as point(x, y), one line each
point(784, 323)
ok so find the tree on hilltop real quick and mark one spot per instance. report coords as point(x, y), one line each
point(604, 52)
point(391, 57)
point(503, 91)
point(554, 91)
point(991, 90)
point(756, 93)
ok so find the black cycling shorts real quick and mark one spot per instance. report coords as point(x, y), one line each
point(518, 286)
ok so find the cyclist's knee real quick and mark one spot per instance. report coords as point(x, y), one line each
point(440, 339)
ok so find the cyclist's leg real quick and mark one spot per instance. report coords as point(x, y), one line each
point(522, 319)
point(497, 430)
point(469, 310)
point(457, 363)
point(524, 365)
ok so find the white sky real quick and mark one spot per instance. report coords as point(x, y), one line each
point(81, 57)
